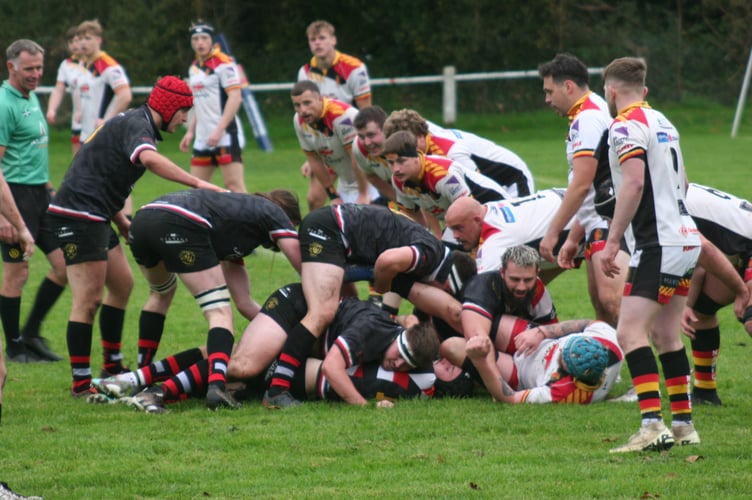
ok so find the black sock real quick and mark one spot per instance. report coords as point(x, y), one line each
point(171, 365)
point(10, 313)
point(47, 295)
point(79, 349)
point(150, 328)
point(294, 353)
point(111, 321)
point(219, 347)
point(705, 347)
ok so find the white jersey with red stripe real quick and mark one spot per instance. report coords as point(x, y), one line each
point(210, 80)
point(370, 164)
point(346, 81)
point(441, 182)
point(515, 222)
point(478, 154)
point(661, 218)
point(97, 86)
point(70, 72)
point(589, 119)
point(543, 379)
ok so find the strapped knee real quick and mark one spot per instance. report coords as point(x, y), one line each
point(213, 299)
point(166, 287)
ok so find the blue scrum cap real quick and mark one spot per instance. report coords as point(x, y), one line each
point(585, 358)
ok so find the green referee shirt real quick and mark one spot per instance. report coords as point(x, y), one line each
point(24, 134)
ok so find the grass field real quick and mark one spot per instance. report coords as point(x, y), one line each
point(57, 447)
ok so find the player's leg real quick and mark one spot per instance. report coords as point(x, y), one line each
point(606, 292)
point(316, 196)
point(49, 291)
point(209, 289)
point(261, 343)
point(233, 175)
point(162, 286)
point(15, 275)
point(119, 284)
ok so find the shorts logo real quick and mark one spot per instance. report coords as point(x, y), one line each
point(14, 253)
point(187, 257)
point(272, 303)
point(70, 250)
point(315, 249)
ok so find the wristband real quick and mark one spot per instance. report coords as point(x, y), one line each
point(332, 193)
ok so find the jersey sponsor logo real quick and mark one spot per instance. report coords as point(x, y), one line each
point(454, 185)
point(663, 123)
point(174, 239)
point(272, 303)
point(14, 253)
point(621, 131)
point(508, 215)
point(187, 257)
point(318, 234)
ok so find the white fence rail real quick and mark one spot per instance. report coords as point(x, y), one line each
point(449, 79)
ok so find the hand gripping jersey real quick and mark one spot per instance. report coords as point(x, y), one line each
point(373, 381)
point(725, 220)
point(589, 119)
point(477, 154)
point(70, 72)
point(370, 164)
point(441, 182)
point(662, 218)
point(542, 378)
point(97, 88)
point(210, 80)
point(515, 222)
point(238, 222)
point(485, 294)
point(345, 81)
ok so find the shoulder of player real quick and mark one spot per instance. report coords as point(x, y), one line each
point(346, 64)
point(104, 62)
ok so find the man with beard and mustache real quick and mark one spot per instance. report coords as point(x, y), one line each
point(514, 290)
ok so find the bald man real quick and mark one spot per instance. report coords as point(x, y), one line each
point(490, 228)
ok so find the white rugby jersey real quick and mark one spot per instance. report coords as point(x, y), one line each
point(441, 182)
point(209, 81)
point(70, 72)
point(476, 153)
point(661, 218)
point(722, 218)
point(345, 81)
point(589, 118)
point(540, 373)
point(515, 222)
point(96, 89)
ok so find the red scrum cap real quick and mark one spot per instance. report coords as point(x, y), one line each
point(169, 95)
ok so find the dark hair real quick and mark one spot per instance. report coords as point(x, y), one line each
point(303, 86)
point(424, 343)
point(402, 143)
point(287, 200)
point(630, 71)
point(370, 114)
point(461, 387)
point(565, 67)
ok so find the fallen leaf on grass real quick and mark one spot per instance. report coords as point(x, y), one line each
point(474, 486)
point(694, 458)
point(647, 494)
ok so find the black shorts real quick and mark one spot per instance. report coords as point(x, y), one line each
point(321, 239)
point(216, 157)
point(82, 240)
point(286, 306)
point(163, 236)
point(32, 204)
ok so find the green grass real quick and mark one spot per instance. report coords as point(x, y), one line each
point(54, 446)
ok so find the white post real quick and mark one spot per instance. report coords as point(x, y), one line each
point(742, 97)
point(450, 95)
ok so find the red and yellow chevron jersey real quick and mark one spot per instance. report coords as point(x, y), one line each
point(210, 80)
point(589, 119)
point(97, 88)
point(331, 137)
point(345, 81)
point(541, 375)
point(661, 218)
